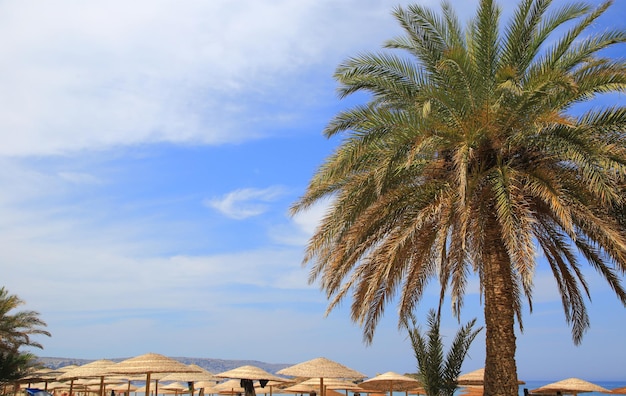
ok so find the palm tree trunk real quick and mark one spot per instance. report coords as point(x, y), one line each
point(500, 367)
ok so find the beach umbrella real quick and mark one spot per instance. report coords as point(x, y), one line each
point(175, 387)
point(232, 386)
point(124, 388)
point(476, 377)
point(149, 364)
point(251, 373)
point(321, 368)
point(97, 368)
point(56, 385)
point(269, 387)
point(299, 388)
point(200, 375)
point(334, 383)
point(570, 386)
point(390, 381)
point(205, 387)
point(247, 374)
point(68, 367)
point(313, 384)
point(416, 391)
point(43, 374)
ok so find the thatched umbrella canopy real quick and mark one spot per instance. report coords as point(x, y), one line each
point(247, 374)
point(299, 388)
point(321, 368)
point(176, 388)
point(68, 367)
point(390, 381)
point(201, 375)
point(230, 387)
point(124, 387)
point(97, 368)
point(570, 386)
point(251, 373)
point(476, 377)
point(333, 383)
point(313, 385)
point(208, 386)
point(44, 375)
point(149, 364)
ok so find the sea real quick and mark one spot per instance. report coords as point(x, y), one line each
point(530, 385)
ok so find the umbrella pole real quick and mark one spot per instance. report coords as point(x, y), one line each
point(148, 384)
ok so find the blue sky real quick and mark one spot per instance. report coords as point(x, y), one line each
point(151, 150)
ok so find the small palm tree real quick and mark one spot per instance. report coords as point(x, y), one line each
point(439, 375)
point(16, 328)
point(15, 365)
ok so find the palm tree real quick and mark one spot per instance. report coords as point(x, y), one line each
point(16, 328)
point(469, 158)
point(438, 374)
point(15, 365)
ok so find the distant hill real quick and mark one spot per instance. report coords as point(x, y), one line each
point(213, 365)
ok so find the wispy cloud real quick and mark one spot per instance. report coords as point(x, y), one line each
point(246, 202)
point(79, 178)
point(302, 225)
point(92, 75)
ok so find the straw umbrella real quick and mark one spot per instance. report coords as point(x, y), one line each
point(200, 375)
point(390, 381)
point(321, 368)
point(231, 387)
point(269, 387)
point(310, 389)
point(44, 374)
point(205, 386)
point(313, 384)
point(124, 388)
point(570, 386)
point(476, 377)
point(247, 374)
point(97, 368)
point(148, 364)
point(335, 384)
point(175, 387)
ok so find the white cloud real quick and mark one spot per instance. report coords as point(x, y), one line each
point(86, 75)
point(79, 178)
point(246, 202)
point(302, 226)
